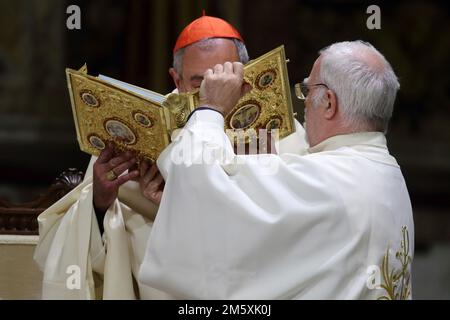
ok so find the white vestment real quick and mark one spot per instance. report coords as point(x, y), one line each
point(70, 244)
point(333, 224)
point(78, 263)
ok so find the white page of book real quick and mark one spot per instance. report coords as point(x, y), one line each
point(150, 95)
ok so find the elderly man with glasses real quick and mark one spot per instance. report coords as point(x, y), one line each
point(335, 223)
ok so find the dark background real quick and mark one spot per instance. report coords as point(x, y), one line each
point(133, 41)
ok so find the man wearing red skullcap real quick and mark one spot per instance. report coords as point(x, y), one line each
point(205, 42)
point(106, 265)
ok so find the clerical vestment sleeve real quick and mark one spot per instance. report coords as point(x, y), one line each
point(240, 227)
point(70, 240)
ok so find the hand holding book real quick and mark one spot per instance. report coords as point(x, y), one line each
point(223, 86)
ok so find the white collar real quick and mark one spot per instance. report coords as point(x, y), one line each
point(372, 145)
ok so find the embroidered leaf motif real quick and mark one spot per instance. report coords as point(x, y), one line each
point(397, 283)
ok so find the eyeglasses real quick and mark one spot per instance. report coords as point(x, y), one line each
point(302, 89)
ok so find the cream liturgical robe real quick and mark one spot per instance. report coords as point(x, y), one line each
point(333, 224)
point(78, 263)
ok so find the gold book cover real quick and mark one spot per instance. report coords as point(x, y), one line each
point(142, 121)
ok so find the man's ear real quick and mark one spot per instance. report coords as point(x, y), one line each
point(332, 108)
point(176, 78)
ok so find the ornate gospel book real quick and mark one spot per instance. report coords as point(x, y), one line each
point(142, 121)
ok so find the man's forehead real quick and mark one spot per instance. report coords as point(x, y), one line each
point(212, 47)
point(197, 61)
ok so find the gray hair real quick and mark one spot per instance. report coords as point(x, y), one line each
point(207, 44)
point(365, 90)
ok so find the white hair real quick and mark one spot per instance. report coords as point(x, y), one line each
point(365, 88)
point(207, 44)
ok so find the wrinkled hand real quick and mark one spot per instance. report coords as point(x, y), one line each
point(151, 182)
point(104, 190)
point(223, 86)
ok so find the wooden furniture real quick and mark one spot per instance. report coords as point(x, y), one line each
point(21, 219)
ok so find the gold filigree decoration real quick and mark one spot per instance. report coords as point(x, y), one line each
point(150, 119)
point(397, 283)
point(267, 71)
point(178, 105)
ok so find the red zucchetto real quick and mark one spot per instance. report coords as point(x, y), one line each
point(203, 28)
